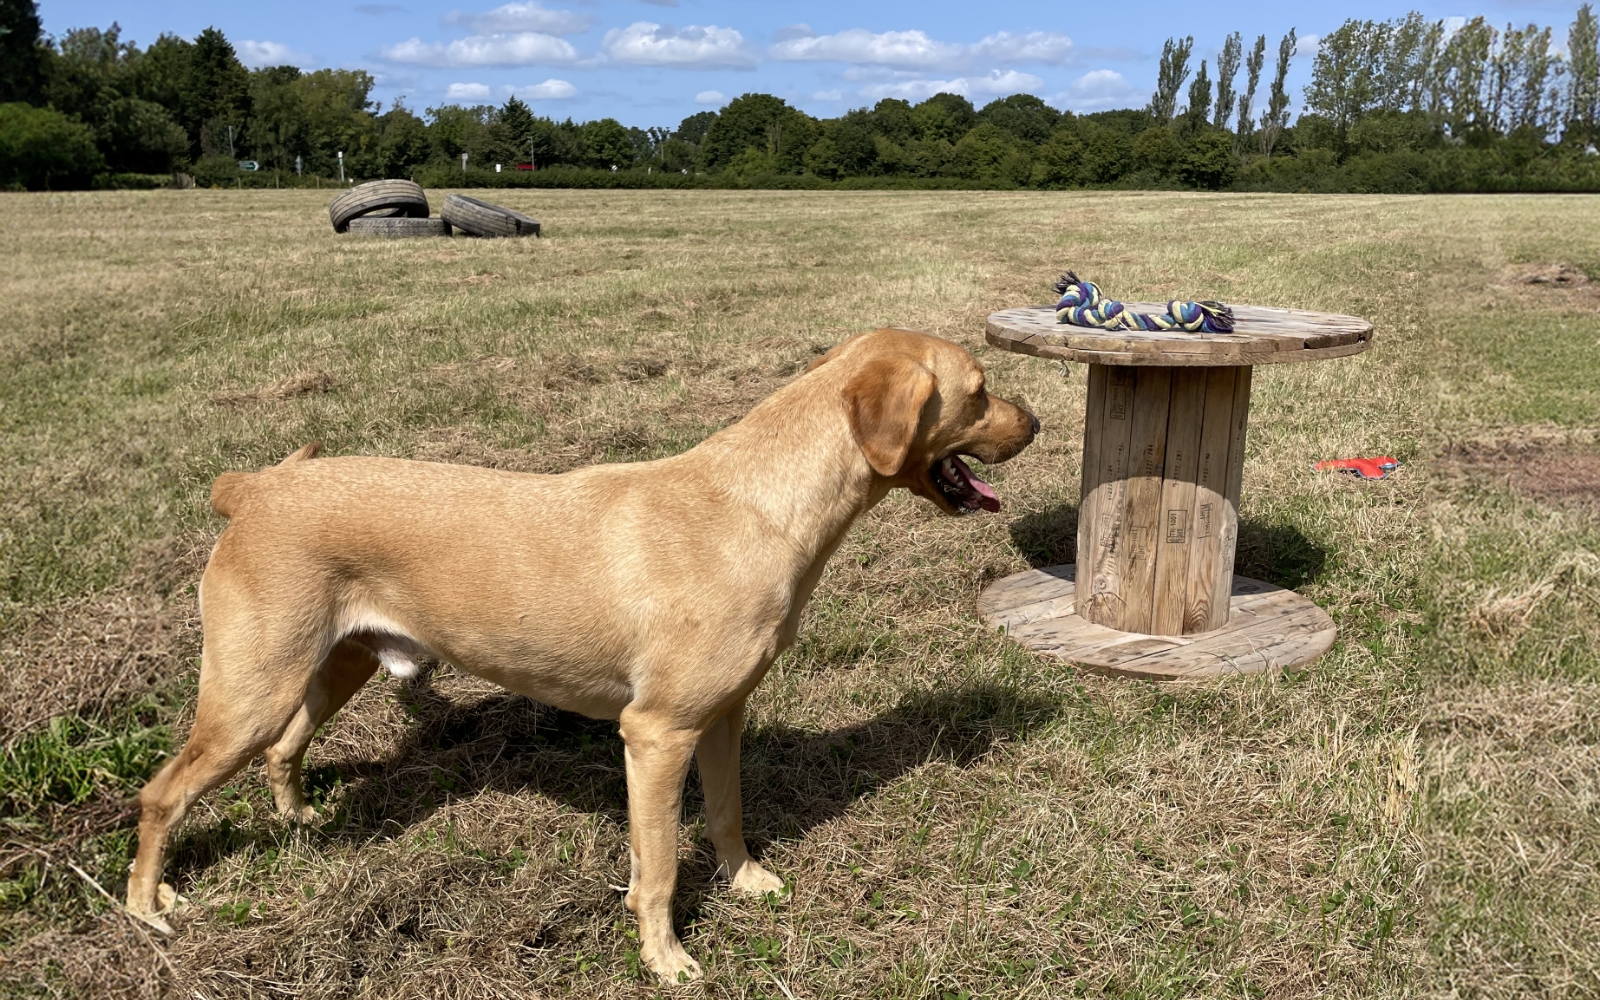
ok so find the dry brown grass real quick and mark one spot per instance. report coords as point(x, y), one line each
point(1414, 816)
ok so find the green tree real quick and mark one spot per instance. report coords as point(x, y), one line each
point(214, 94)
point(944, 116)
point(43, 149)
point(161, 73)
point(402, 141)
point(1207, 161)
point(1023, 116)
point(892, 119)
point(1583, 88)
point(1227, 70)
point(989, 154)
point(1060, 160)
point(764, 124)
point(1157, 151)
point(1173, 71)
point(336, 116)
point(22, 54)
point(1462, 67)
point(453, 130)
point(1276, 118)
point(854, 149)
point(277, 122)
point(1199, 108)
point(606, 144)
point(140, 137)
point(1244, 123)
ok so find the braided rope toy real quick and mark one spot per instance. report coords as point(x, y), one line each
point(1082, 304)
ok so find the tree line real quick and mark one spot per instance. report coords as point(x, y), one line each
point(1399, 105)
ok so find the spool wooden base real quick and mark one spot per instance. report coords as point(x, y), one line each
point(1268, 629)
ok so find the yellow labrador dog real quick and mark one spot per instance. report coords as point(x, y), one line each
point(654, 593)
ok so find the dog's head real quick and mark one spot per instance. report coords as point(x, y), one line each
point(916, 405)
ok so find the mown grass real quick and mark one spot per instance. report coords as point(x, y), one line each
point(957, 816)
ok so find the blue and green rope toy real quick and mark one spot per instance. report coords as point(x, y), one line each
point(1083, 304)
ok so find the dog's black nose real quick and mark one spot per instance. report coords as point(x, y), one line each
point(1035, 424)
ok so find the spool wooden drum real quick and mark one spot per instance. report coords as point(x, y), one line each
point(1153, 591)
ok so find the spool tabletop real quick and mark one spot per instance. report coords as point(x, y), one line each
point(1261, 336)
point(1163, 465)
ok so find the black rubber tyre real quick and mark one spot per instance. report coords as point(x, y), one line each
point(398, 229)
point(479, 218)
point(403, 197)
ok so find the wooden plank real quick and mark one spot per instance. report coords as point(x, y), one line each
point(1270, 629)
point(1098, 567)
point(1184, 419)
point(1200, 611)
point(1093, 425)
point(1028, 587)
point(1141, 519)
point(1222, 584)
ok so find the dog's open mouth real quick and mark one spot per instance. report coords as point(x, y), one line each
point(963, 490)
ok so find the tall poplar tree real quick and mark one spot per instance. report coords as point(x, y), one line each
point(1583, 60)
point(1246, 124)
point(1199, 108)
point(1227, 70)
point(1276, 118)
point(1169, 79)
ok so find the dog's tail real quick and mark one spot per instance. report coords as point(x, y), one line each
point(231, 487)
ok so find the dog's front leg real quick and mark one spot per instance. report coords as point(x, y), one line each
point(657, 756)
point(718, 756)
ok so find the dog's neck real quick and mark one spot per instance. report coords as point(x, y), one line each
point(801, 469)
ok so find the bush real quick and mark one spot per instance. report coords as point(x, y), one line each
point(41, 150)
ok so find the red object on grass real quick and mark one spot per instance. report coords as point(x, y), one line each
point(1377, 467)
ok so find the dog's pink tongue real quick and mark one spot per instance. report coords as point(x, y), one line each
point(987, 498)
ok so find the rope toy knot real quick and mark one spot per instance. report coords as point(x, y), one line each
point(1083, 304)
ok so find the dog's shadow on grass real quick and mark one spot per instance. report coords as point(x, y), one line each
point(793, 778)
point(1273, 551)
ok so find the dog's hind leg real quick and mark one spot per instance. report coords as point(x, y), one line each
point(251, 685)
point(341, 675)
point(718, 756)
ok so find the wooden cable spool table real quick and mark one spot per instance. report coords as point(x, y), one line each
point(1163, 460)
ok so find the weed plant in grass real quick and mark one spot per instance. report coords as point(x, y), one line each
point(956, 816)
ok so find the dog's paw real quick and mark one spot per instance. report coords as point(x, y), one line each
point(304, 815)
point(671, 963)
point(753, 879)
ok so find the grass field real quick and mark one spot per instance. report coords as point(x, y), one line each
point(1418, 815)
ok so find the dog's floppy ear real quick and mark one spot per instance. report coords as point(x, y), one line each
point(885, 400)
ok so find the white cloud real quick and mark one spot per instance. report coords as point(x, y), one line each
point(909, 49)
point(528, 16)
point(714, 97)
point(1004, 84)
point(915, 50)
point(1308, 45)
point(258, 54)
point(1100, 90)
point(645, 43)
point(997, 84)
point(467, 92)
point(550, 90)
point(522, 48)
point(828, 95)
point(1034, 47)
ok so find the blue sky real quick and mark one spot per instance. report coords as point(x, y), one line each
point(653, 62)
